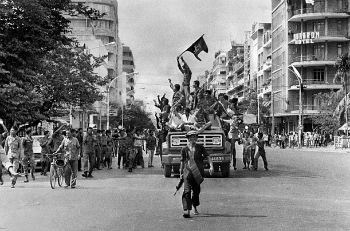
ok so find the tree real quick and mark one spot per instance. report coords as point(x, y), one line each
point(343, 68)
point(250, 105)
point(29, 30)
point(133, 117)
point(324, 121)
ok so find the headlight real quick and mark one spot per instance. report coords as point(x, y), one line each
point(175, 141)
point(216, 140)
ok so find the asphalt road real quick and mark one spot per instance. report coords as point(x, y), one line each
point(304, 190)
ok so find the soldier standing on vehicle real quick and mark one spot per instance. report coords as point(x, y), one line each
point(192, 171)
point(45, 143)
point(71, 147)
point(89, 158)
point(28, 155)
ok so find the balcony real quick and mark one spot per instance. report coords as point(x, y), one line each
point(312, 84)
point(313, 13)
point(267, 65)
point(307, 109)
point(313, 61)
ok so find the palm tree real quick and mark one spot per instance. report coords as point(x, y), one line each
point(343, 68)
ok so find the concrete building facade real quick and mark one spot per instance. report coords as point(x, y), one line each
point(100, 37)
point(217, 77)
point(129, 69)
point(235, 80)
point(309, 35)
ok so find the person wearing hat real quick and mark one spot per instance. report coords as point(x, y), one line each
point(192, 171)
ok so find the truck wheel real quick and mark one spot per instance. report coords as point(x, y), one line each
point(225, 170)
point(167, 170)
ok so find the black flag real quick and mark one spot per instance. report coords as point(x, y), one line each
point(197, 47)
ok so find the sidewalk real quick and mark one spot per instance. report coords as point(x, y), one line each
point(329, 148)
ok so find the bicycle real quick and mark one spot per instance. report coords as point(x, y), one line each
point(56, 170)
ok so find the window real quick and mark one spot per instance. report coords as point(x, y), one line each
point(222, 72)
point(318, 75)
point(110, 56)
point(339, 49)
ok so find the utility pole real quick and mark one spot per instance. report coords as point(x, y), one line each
point(300, 124)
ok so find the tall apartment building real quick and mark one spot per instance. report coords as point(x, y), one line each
point(217, 78)
point(235, 75)
point(309, 35)
point(100, 38)
point(246, 64)
point(261, 57)
point(129, 69)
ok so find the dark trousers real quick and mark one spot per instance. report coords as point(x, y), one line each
point(45, 164)
point(190, 187)
point(139, 157)
point(121, 153)
point(98, 157)
point(233, 152)
point(79, 164)
point(256, 159)
point(70, 172)
point(89, 161)
point(252, 153)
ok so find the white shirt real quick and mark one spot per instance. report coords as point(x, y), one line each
point(190, 119)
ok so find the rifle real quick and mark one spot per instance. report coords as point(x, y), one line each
point(179, 185)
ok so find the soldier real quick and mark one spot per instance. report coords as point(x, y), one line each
point(13, 149)
point(98, 149)
point(89, 143)
point(71, 147)
point(4, 160)
point(103, 140)
point(187, 73)
point(150, 146)
point(138, 144)
point(80, 136)
point(123, 148)
point(109, 150)
point(28, 155)
point(2, 143)
point(45, 143)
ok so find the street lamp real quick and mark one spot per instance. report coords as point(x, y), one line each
point(300, 80)
point(108, 91)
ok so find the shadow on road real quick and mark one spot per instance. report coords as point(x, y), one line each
point(228, 215)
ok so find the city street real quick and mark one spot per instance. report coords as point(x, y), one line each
point(305, 190)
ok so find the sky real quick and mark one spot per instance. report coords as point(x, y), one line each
point(157, 31)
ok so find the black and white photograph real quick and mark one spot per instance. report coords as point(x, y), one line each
point(147, 115)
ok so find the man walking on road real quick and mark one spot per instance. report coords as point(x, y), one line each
point(150, 146)
point(71, 147)
point(13, 149)
point(89, 142)
point(192, 171)
point(45, 143)
point(28, 155)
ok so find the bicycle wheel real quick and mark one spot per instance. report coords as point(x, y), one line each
point(60, 176)
point(53, 177)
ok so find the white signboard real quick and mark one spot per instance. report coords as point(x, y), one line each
point(306, 37)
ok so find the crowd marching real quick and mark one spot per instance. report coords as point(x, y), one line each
point(89, 151)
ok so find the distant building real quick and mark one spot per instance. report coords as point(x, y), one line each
point(129, 68)
point(217, 78)
point(235, 74)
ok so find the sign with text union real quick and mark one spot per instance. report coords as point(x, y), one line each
point(306, 37)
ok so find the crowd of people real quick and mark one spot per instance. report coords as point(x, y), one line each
point(81, 151)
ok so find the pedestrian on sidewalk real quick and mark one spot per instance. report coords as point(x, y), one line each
point(80, 137)
point(28, 155)
point(103, 147)
point(89, 158)
point(192, 171)
point(261, 152)
point(122, 148)
point(71, 147)
point(13, 149)
point(98, 150)
point(150, 146)
point(246, 150)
